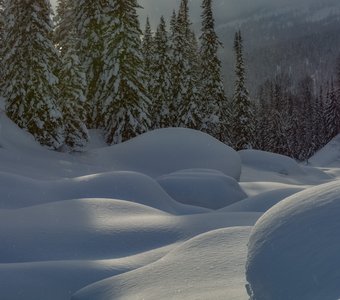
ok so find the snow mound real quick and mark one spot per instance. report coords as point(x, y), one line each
point(272, 162)
point(200, 187)
point(164, 151)
point(293, 252)
point(13, 137)
point(262, 202)
point(272, 167)
point(88, 229)
point(209, 266)
point(58, 280)
point(328, 155)
point(20, 191)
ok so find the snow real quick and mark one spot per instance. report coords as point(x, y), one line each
point(198, 269)
point(293, 251)
point(329, 155)
point(164, 151)
point(266, 166)
point(166, 215)
point(202, 187)
point(263, 201)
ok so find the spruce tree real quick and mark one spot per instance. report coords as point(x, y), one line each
point(213, 103)
point(147, 50)
point(64, 24)
point(332, 115)
point(161, 89)
point(91, 22)
point(126, 100)
point(185, 94)
point(29, 84)
point(2, 23)
point(190, 110)
point(72, 99)
point(243, 119)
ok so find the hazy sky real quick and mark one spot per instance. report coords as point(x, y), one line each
point(224, 10)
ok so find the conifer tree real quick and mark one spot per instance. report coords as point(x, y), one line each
point(190, 110)
point(2, 23)
point(332, 115)
point(213, 102)
point(126, 100)
point(243, 119)
point(72, 98)
point(182, 72)
point(147, 50)
point(91, 22)
point(29, 84)
point(161, 92)
point(64, 24)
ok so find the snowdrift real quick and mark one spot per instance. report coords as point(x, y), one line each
point(205, 267)
point(164, 151)
point(86, 229)
point(294, 248)
point(205, 188)
point(272, 167)
point(18, 192)
point(328, 155)
point(263, 201)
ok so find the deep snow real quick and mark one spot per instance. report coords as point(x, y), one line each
point(139, 220)
point(294, 247)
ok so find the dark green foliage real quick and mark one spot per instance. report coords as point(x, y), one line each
point(214, 108)
point(29, 83)
point(125, 99)
point(91, 23)
point(243, 118)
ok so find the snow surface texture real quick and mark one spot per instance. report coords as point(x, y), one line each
point(294, 248)
point(108, 223)
point(201, 187)
point(273, 167)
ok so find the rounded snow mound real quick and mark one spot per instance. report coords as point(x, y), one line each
point(261, 202)
point(196, 270)
point(167, 150)
point(21, 192)
point(202, 187)
point(293, 252)
point(272, 162)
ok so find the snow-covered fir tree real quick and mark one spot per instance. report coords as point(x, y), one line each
point(2, 21)
point(190, 110)
point(243, 119)
point(183, 83)
point(64, 24)
point(91, 22)
point(148, 51)
point(126, 101)
point(30, 85)
point(332, 114)
point(2, 24)
point(161, 88)
point(72, 99)
point(214, 108)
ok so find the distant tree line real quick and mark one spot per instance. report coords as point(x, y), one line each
point(93, 67)
point(297, 118)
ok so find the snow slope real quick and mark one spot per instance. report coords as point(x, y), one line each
point(294, 248)
point(209, 266)
point(139, 220)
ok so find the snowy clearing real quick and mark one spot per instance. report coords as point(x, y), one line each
point(166, 215)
